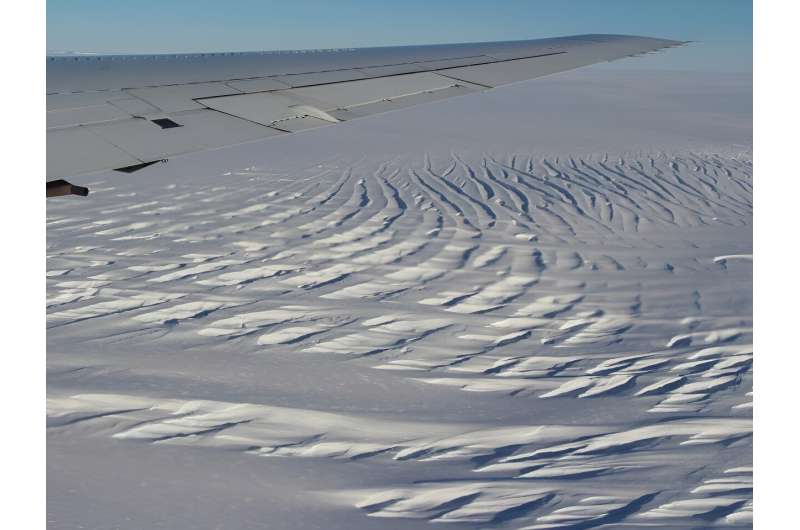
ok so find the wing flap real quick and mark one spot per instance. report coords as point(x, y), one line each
point(338, 101)
point(343, 95)
point(506, 72)
point(405, 101)
point(76, 150)
point(319, 78)
point(197, 130)
point(84, 115)
point(264, 108)
point(181, 97)
point(396, 69)
point(261, 84)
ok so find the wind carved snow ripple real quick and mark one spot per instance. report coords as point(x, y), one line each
point(553, 283)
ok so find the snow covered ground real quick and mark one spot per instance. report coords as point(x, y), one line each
point(529, 308)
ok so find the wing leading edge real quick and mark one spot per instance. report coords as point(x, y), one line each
point(122, 112)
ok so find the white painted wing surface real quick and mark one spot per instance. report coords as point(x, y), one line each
point(117, 112)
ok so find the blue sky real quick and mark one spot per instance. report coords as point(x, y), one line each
point(723, 28)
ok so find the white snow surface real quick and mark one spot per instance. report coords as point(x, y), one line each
point(529, 308)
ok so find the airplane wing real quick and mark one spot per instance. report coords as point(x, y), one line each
point(125, 112)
